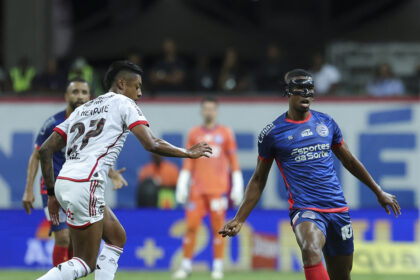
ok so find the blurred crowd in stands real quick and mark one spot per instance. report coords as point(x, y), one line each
point(229, 75)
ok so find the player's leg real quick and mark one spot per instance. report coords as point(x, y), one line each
point(70, 251)
point(115, 237)
point(85, 218)
point(86, 243)
point(194, 212)
point(218, 205)
point(61, 236)
point(338, 250)
point(339, 267)
point(309, 228)
point(61, 246)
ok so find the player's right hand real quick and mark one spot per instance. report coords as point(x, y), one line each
point(232, 228)
point(199, 150)
point(53, 208)
point(27, 201)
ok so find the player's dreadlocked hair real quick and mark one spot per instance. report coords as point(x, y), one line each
point(116, 67)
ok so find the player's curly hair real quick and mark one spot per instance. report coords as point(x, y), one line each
point(116, 67)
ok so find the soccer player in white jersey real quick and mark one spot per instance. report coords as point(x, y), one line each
point(94, 135)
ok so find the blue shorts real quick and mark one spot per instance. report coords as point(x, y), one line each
point(336, 227)
point(62, 225)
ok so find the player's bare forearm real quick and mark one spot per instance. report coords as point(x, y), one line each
point(355, 167)
point(164, 148)
point(254, 190)
point(53, 144)
point(252, 196)
point(32, 170)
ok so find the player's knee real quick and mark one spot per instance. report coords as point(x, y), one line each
point(192, 230)
point(311, 253)
point(119, 239)
point(62, 238)
point(193, 225)
point(123, 238)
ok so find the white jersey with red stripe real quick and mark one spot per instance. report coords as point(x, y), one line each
point(95, 134)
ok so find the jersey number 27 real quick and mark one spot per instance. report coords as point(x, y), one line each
point(80, 127)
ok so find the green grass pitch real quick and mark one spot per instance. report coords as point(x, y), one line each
point(137, 275)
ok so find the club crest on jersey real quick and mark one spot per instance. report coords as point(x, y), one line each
point(306, 132)
point(322, 130)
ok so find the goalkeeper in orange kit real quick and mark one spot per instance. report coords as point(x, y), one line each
point(203, 185)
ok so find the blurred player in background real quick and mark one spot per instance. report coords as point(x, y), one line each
point(209, 186)
point(302, 141)
point(94, 135)
point(77, 93)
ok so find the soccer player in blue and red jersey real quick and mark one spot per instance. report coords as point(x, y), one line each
point(77, 93)
point(302, 141)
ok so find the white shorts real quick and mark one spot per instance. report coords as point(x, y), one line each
point(83, 202)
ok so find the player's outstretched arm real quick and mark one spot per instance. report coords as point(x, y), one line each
point(253, 193)
point(28, 195)
point(163, 148)
point(352, 164)
point(53, 144)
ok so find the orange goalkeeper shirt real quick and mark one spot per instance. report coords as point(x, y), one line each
point(211, 175)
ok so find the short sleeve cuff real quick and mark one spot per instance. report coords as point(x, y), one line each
point(137, 123)
point(338, 145)
point(62, 133)
point(265, 159)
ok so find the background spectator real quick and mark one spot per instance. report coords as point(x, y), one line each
point(52, 80)
point(272, 69)
point(232, 76)
point(326, 76)
point(81, 68)
point(135, 57)
point(163, 175)
point(168, 74)
point(22, 75)
point(385, 83)
point(204, 78)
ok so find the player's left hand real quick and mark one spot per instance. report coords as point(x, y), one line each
point(387, 199)
point(53, 208)
point(117, 179)
point(232, 228)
